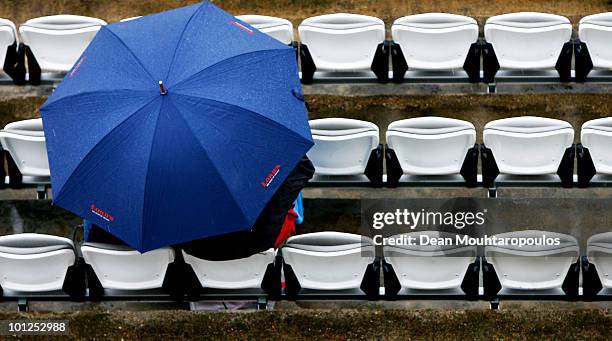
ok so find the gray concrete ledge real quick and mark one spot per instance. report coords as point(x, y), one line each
point(548, 88)
point(361, 192)
point(371, 88)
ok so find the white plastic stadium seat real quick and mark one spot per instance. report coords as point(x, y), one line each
point(278, 28)
point(342, 146)
point(430, 145)
point(596, 135)
point(25, 143)
point(430, 267)
point(594, 31)
point(340, 42)
point(8, 37)
point(433, 41)
point(529, 145)
point(122, 268)
point(246, 273)
point(58, 41)
point(534, 267)
point(528, 40)
point(325, 261)
point(599, 253)
point(31, 262)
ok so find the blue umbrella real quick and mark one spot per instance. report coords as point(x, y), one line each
point(175, 127)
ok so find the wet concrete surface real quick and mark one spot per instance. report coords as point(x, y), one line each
point(579, 212)
point(384, 107)
point(391, 193)
point(578, 216)
point(246, 305)
point(39, 216)
point(329, 324)
point(478, 109)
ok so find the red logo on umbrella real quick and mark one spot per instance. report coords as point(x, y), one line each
point(101, 213)
point(242, 27)
point(271, 176)
point(76, 68)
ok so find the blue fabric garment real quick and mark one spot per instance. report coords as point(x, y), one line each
point(86, 228)
point(158, 169)
point(299, 209)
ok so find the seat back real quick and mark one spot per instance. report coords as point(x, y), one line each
point(122, 268)
point(58, 41)
point(430, 267)
point(435, 41)
point(31, 262)
point(599, 253)
point(245, 273)
point(25, 142)
point(596, 135)
point(533, 267)
point(329, 260)
point(342, 146)
point(527, 40)
point(31, 127)
point(342, 42)
point(528, 145)
point(530, 273)
point(278, 28)
point(33, 243)
point(596, 31)
point(431, 145)
point(8, 36)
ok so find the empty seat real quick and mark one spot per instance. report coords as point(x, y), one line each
point(245, 273)
point(594, 50)
point(122, 268)
point(597, 266)
point(36, 263)
point(345, 147)
point(435, 41)
point(10, 62)
point(56, 42)
point(423, 268)
point(544, 266)
point(330, 261)
point(343, 42)
point(431, 146)
point(278, 28)
point(527, 41)
point(25, 143)
point(593, 153)
point(528, 145)
point(8, 38)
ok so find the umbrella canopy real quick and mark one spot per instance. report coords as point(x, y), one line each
point(175, 127)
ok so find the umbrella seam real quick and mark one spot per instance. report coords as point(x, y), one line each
point(202, 6)
point(50, 104)
point(131, 53)
point(216, 103)
point(144, 200)
point(60, 192)
point(187, 78)
point(244, 216)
